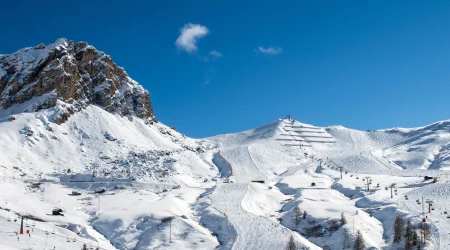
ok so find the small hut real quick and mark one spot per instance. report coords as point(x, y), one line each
point(57, 211)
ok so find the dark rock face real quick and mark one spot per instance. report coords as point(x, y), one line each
point(72, 76)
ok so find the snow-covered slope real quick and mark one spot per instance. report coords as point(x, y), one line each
point(126, 181)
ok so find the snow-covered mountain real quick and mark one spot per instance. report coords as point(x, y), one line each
point(77, 133)
point(69, 76)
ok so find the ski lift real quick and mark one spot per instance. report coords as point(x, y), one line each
point(74, 240)
point(53, 232)
point(9, 219)
point(67, 238)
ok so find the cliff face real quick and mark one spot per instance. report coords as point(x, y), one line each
point(70, 76)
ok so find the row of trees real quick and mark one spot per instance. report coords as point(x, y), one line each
point(413, 236)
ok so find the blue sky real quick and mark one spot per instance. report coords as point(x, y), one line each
point(361, 64)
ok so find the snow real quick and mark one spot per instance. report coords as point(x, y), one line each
point(232, 191)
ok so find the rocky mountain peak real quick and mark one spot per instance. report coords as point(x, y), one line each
point(71, 76)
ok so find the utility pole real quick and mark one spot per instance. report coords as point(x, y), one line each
point(369, 181)
point(430, 203)
point(423, 206)
point(93, 170)
point(353, 225)
point(392, 186)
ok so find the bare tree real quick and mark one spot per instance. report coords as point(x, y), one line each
point(425, 232)
point(297, 215)
point(398, 229)
point(343, 219)
point(291, 244)
point(359, 243)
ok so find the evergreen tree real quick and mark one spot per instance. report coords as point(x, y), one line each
point(343, 220)
point(305, 214)
point(84, 247)
point(359, 243)
point(291, 244)
point(398, 229)
point(297, 215)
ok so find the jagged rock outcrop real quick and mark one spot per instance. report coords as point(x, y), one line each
point(69, 76)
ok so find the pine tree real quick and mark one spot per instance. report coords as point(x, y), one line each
point(343, 220)
point(84, 247)
point(297, 215)
point(346, 240)
point(409, 232)
point(398, 229)
point(305, 214)
point(359, 242)
point(291, 244)
point(419, 247)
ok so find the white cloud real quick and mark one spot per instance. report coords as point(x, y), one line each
point(189, 35)
point(269, 50)
point(215, 54)
point(212, 56)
